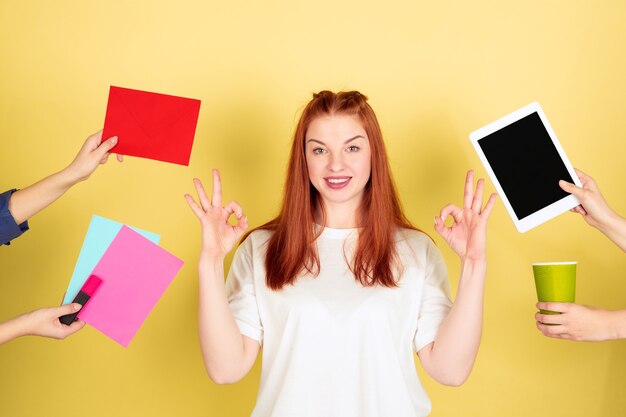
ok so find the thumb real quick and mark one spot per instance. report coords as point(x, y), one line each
point(106, 146)
point(67, 309)
point(570, 188)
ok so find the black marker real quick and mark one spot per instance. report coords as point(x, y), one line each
point(85, 293)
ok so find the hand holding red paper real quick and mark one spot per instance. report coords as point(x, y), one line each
point(94, 152)
point(151, 125)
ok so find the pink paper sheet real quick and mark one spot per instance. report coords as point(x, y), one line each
point(135, 273)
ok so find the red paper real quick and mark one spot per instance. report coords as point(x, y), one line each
point(151, 125)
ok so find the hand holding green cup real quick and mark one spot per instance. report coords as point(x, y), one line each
point(555, 281)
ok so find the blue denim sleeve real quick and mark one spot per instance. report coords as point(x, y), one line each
point(9, 230)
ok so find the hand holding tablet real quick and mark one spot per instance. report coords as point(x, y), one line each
point(525, 161)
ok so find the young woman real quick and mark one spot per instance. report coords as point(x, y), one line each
point(340, 288)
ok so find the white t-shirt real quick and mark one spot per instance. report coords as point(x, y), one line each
point(332, 347)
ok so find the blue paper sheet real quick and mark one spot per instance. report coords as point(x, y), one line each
point(99, 236)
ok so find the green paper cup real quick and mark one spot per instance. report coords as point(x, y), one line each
point(555, 281)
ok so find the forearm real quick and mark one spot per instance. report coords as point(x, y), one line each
point(221, 341)
point(452, 355)
point(27, 202)
point(615, 229)
point(12, 329)
point(615, 325)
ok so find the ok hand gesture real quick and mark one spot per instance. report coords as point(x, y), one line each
point(468, 234)
point(218, 235)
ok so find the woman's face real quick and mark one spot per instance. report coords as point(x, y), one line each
point(339, 160)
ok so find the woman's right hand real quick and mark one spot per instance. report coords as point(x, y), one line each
point(218, 235)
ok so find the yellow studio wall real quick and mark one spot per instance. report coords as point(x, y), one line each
point(434, 71)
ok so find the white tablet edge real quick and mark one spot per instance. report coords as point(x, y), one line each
point(548, 212)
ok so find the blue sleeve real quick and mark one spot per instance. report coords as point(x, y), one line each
point(9, 230)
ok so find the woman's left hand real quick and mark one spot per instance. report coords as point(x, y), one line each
point(468, 234)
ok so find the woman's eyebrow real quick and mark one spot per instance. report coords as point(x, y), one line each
point(347, 141)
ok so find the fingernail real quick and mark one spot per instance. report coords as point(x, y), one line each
point(245, 219)
point(435, 220)
point(442, 219)
point(114, 139)
point(76, 306)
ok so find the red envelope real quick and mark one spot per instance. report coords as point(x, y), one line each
point(151, 125)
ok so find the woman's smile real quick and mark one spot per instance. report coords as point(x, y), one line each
point(337, 183)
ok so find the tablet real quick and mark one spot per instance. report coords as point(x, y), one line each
point(525, 162)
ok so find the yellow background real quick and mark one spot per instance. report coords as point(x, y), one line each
point(434, 71)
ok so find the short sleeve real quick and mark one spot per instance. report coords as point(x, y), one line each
point(9, 229)
point(241, 292)
point(435, 303)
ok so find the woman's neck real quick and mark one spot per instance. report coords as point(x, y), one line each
point(338, 217)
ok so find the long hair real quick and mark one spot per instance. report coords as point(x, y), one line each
point(291, 249)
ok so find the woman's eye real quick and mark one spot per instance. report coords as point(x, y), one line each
point(319, 151)
point(353, 148)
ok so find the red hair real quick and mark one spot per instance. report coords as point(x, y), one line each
point(291, 249)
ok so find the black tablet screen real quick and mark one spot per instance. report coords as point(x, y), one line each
point(527, 164)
